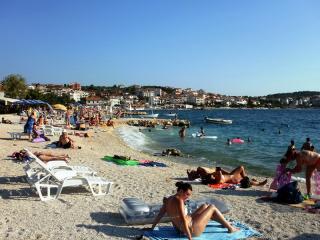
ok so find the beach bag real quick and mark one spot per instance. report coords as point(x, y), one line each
point(282, 178)
point(289, 194)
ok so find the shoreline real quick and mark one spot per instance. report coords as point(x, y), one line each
point(78, 215)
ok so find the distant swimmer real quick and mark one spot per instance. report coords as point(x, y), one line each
point(307, 145)
point(228, 141)
point(201, 132)
point(262, 129)
point(249, 140)
point(182, 132)
point(291, 146)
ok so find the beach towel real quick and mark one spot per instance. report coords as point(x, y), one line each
point(122, 162)
point(214, 230)
point(149, 163)
point(223, 186)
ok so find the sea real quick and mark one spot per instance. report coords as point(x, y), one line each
point(269, 130)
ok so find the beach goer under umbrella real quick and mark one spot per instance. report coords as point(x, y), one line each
point(309, 159)
point(28, 127)
point(194, 224)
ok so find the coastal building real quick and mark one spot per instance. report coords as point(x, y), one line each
point(75, 86)
point(196, 100)
point(315, 101)
point(95, 101)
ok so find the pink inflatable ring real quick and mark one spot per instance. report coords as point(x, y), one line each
point(237, 140)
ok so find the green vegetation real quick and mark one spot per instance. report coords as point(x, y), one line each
point(14, 86)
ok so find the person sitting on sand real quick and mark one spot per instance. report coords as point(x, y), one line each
point(191, 225)
point(306, 158)
point(40, 121)
point(110, 123)
point(65, 141)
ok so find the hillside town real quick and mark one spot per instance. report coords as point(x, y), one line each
point(138, 97)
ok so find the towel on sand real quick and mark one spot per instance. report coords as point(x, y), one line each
point(223, 186)
point(214, 230)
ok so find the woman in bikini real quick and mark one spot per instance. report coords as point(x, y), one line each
point(194, 224)
point(47, 156)
point(65, 141)
point(235, 176)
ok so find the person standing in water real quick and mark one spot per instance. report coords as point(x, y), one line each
point(201, 132)
point(182, 132)
point(307, 145)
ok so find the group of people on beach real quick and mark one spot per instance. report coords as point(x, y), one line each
point(195, 224)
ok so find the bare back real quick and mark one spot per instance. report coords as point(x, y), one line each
point(172, 206)
point(308, 158)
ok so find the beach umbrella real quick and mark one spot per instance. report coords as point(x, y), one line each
point(59, 107)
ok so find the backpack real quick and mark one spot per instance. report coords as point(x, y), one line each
point(289, 194)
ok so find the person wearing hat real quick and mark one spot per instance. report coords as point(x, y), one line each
point(65, 141)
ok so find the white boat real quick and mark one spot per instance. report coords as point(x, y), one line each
point(170, 114)
point(203, 136)
point(218, 120)
point(152, 115)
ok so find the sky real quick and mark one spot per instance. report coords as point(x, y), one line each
point(229, 47)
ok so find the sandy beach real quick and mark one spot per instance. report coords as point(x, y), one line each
point(79, 215)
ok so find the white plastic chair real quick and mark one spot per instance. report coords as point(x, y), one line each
point(44, 178)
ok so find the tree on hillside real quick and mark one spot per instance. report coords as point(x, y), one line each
point(14, 86)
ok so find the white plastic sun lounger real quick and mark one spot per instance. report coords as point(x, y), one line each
point(44, 179)
point(16, 135)
point(62, 165)
point(51, 130)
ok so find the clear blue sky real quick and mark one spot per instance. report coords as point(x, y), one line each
point(229, 47)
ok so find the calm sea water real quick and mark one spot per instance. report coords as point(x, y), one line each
point(269, 130)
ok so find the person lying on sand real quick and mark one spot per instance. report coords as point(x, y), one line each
point(6, 121)
point(47, 156)
point(191, 225)
point(201, 172)
point(236, 176)
point(220, 175)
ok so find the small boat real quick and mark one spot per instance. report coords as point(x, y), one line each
point(152, 115)
point(170, 114)
point(218, 120)
point(203, 136)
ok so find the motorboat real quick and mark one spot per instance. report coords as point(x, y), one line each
point(218, 120)
point(152, 115)
point(170, 114)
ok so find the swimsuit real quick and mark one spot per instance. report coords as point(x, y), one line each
point(179, 229)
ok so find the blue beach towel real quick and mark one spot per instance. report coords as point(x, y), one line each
point(214, 230)
point(153, 164)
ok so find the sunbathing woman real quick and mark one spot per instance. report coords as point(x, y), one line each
point(194, 224)
point(47, 156)
point(65, 141)
point(201, 172)
point(238, 175)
